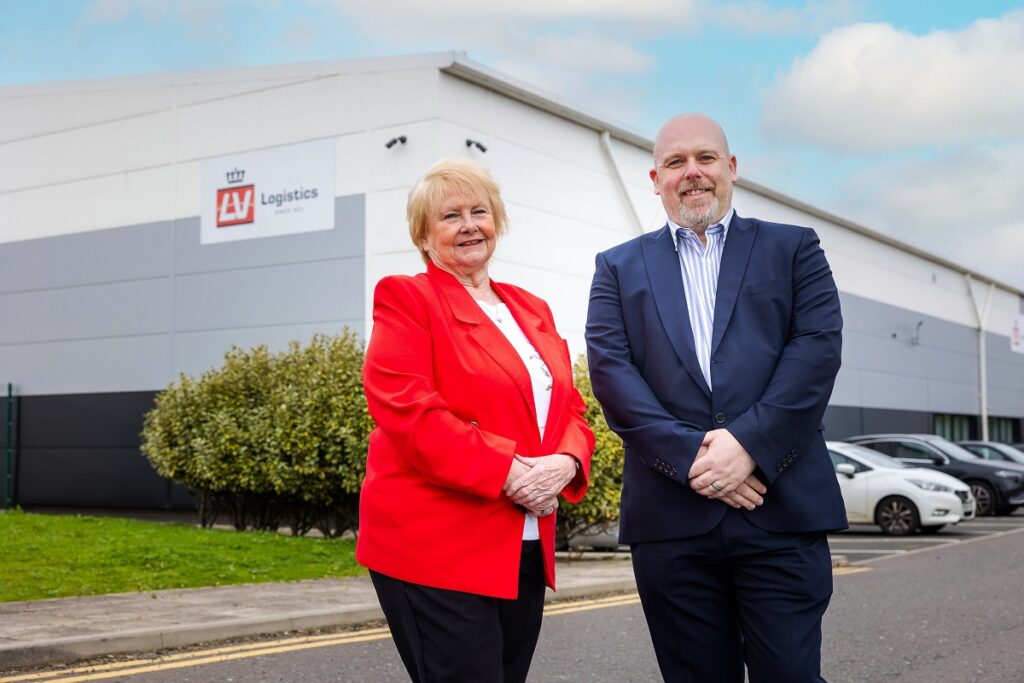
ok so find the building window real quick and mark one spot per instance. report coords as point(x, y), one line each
point(1000, 429)
point(952, 427)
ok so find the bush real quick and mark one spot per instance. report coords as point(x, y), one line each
point(269, 438)
point(600, 507)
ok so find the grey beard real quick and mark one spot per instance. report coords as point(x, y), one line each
point(698, 218)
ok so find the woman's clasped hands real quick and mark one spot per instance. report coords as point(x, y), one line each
point(535, 483)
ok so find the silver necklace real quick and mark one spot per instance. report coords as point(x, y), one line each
point(495, 310)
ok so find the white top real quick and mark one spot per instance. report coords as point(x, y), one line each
point(540, 378)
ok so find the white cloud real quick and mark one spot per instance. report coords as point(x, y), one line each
point(871, 87)
point(562, 46)
point(761, 17)
point(964, 206)
point(419, 15)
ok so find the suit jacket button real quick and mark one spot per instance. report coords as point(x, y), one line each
point(780, 467)
point(720, 418)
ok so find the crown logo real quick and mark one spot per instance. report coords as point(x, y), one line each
point(235, 176)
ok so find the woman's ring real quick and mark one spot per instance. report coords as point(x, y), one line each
point(716, 486)
point(545, 510)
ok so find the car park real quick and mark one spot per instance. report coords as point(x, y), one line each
point(993, 450)
point(998, 487)
point(901, 499)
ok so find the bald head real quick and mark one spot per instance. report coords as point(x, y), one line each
point(693, 171)
point(688, 127)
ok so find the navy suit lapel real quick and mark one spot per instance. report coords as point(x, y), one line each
point(730, 275)
point(663, 268)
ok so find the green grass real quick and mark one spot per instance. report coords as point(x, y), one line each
point(54, 556)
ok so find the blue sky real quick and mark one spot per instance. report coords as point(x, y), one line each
point(904, 115)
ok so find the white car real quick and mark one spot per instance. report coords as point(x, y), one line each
point(900, 499)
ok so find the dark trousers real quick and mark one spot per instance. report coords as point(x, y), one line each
point(445, 635)
point(736, 595)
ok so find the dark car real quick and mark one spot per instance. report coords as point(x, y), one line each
point(997, 486)
point(993, 450)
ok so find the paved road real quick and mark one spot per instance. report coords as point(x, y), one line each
point(938, 612)
point(863, 544)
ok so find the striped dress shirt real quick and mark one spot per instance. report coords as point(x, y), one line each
point(699, 265)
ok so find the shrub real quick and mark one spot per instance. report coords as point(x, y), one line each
point(269, 438)
point(600, 507)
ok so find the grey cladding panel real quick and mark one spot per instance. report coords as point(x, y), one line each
point(90, 311)
point(345, 241)
point(886, 390)
point(951, 397)
point(197, 352)
point(290, 294)
point(847, 388)
point(884, 321)
point(112, 310)
point(85, 366)
point(937, 373)
point(140, 251)
point(1006, 403)
point(851, 306)
point(1006, 368)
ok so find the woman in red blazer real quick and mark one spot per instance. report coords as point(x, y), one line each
point(479, 430)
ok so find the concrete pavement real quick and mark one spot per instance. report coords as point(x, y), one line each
point(51, 631)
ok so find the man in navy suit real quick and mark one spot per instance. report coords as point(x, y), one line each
point(714, 344)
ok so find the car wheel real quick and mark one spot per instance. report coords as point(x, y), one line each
point(897, 516)
point(985, 497)
point(932, 529)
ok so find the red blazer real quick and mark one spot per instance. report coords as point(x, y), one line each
point(453, 404)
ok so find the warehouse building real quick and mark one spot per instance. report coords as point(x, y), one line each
point(147, 224)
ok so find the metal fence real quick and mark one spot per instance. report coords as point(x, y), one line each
point(10, 452)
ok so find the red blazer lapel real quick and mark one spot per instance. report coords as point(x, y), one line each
point(551, 347)
point(483, 332)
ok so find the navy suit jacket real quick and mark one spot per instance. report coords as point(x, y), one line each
point(775, 353)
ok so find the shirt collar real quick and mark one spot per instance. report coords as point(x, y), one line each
point(725, 222)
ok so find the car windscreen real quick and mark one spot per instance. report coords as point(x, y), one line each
point(1014, 454)
point(953, 450)
point(873, 457)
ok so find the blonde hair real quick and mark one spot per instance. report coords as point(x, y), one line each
point(447, 176)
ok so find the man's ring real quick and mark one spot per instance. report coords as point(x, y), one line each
point(716, 486)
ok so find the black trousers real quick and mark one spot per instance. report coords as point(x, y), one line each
point(444, 635)
point(733, 596)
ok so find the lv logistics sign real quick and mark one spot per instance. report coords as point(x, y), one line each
point(277, 191)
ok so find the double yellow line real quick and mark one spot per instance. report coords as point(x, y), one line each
point(199, 657)
point(225, 654)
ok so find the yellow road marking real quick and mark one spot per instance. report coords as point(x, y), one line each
point(195, 658)
point(584, 605)
point(838, 571)
point(233, 652)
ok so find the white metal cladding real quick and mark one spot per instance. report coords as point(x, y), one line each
point(78, 159)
